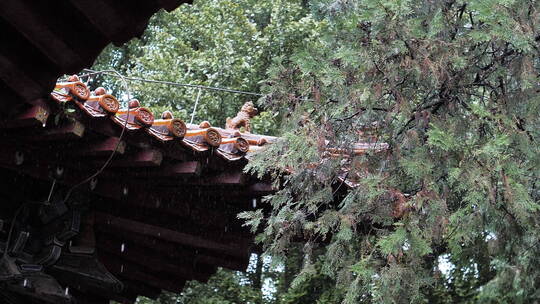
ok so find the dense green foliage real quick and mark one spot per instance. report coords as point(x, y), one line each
point(263, 283)
point(451, 86)
point(453, 89)
point(227, 44)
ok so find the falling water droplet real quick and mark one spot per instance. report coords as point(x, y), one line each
point(66, 292)
point(93, 183)
point(122, 268)
point(123, 247)
point(254, 201)
point(19, 158)
point(25, 282)
point(59, 171)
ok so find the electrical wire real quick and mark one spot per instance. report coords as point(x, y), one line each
point(195, 107)
point(51, 191)
point(109, 159)
point(171, 83)
point(178, 84)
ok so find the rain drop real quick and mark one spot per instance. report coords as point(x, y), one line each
point(19, 158)
point(93, 183)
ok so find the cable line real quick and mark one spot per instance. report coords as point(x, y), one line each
point(171, 83)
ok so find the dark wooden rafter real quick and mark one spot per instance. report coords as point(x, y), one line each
point(42, 35)
point(224, 232)
point(16, 69)
point(170, 170)
point(191, 216)
point(138, 256)
point(29, 21)
point(101, 147)
point(134, 272)
point(261, 188)
point(226, 178)
point(69, 130)
point(168, 235)
point(176, 151)
point(172, 250)
point(100, 13)
point(35, 115)
point(142, 158)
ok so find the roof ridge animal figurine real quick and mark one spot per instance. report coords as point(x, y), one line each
point(242, 118)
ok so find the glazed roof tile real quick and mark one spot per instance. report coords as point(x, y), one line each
point(228, 144)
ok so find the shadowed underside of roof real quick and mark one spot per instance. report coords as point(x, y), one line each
point(162, 212)
point(42, 40)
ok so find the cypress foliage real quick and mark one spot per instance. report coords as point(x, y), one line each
point(452, 87)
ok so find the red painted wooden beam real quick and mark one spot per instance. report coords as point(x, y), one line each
point(212, 179)
point(144, 158)
point(28, 21)
point(172, 250)
point(68, 131)
point(167, 235)
point(24, 85)
point(261, 188)
point(227, 233)
point(101, 147)
point(226, 178)
point(175, 169)
point(131, 254)
point(100, 13)
point(36, 115)
point(131, 271)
